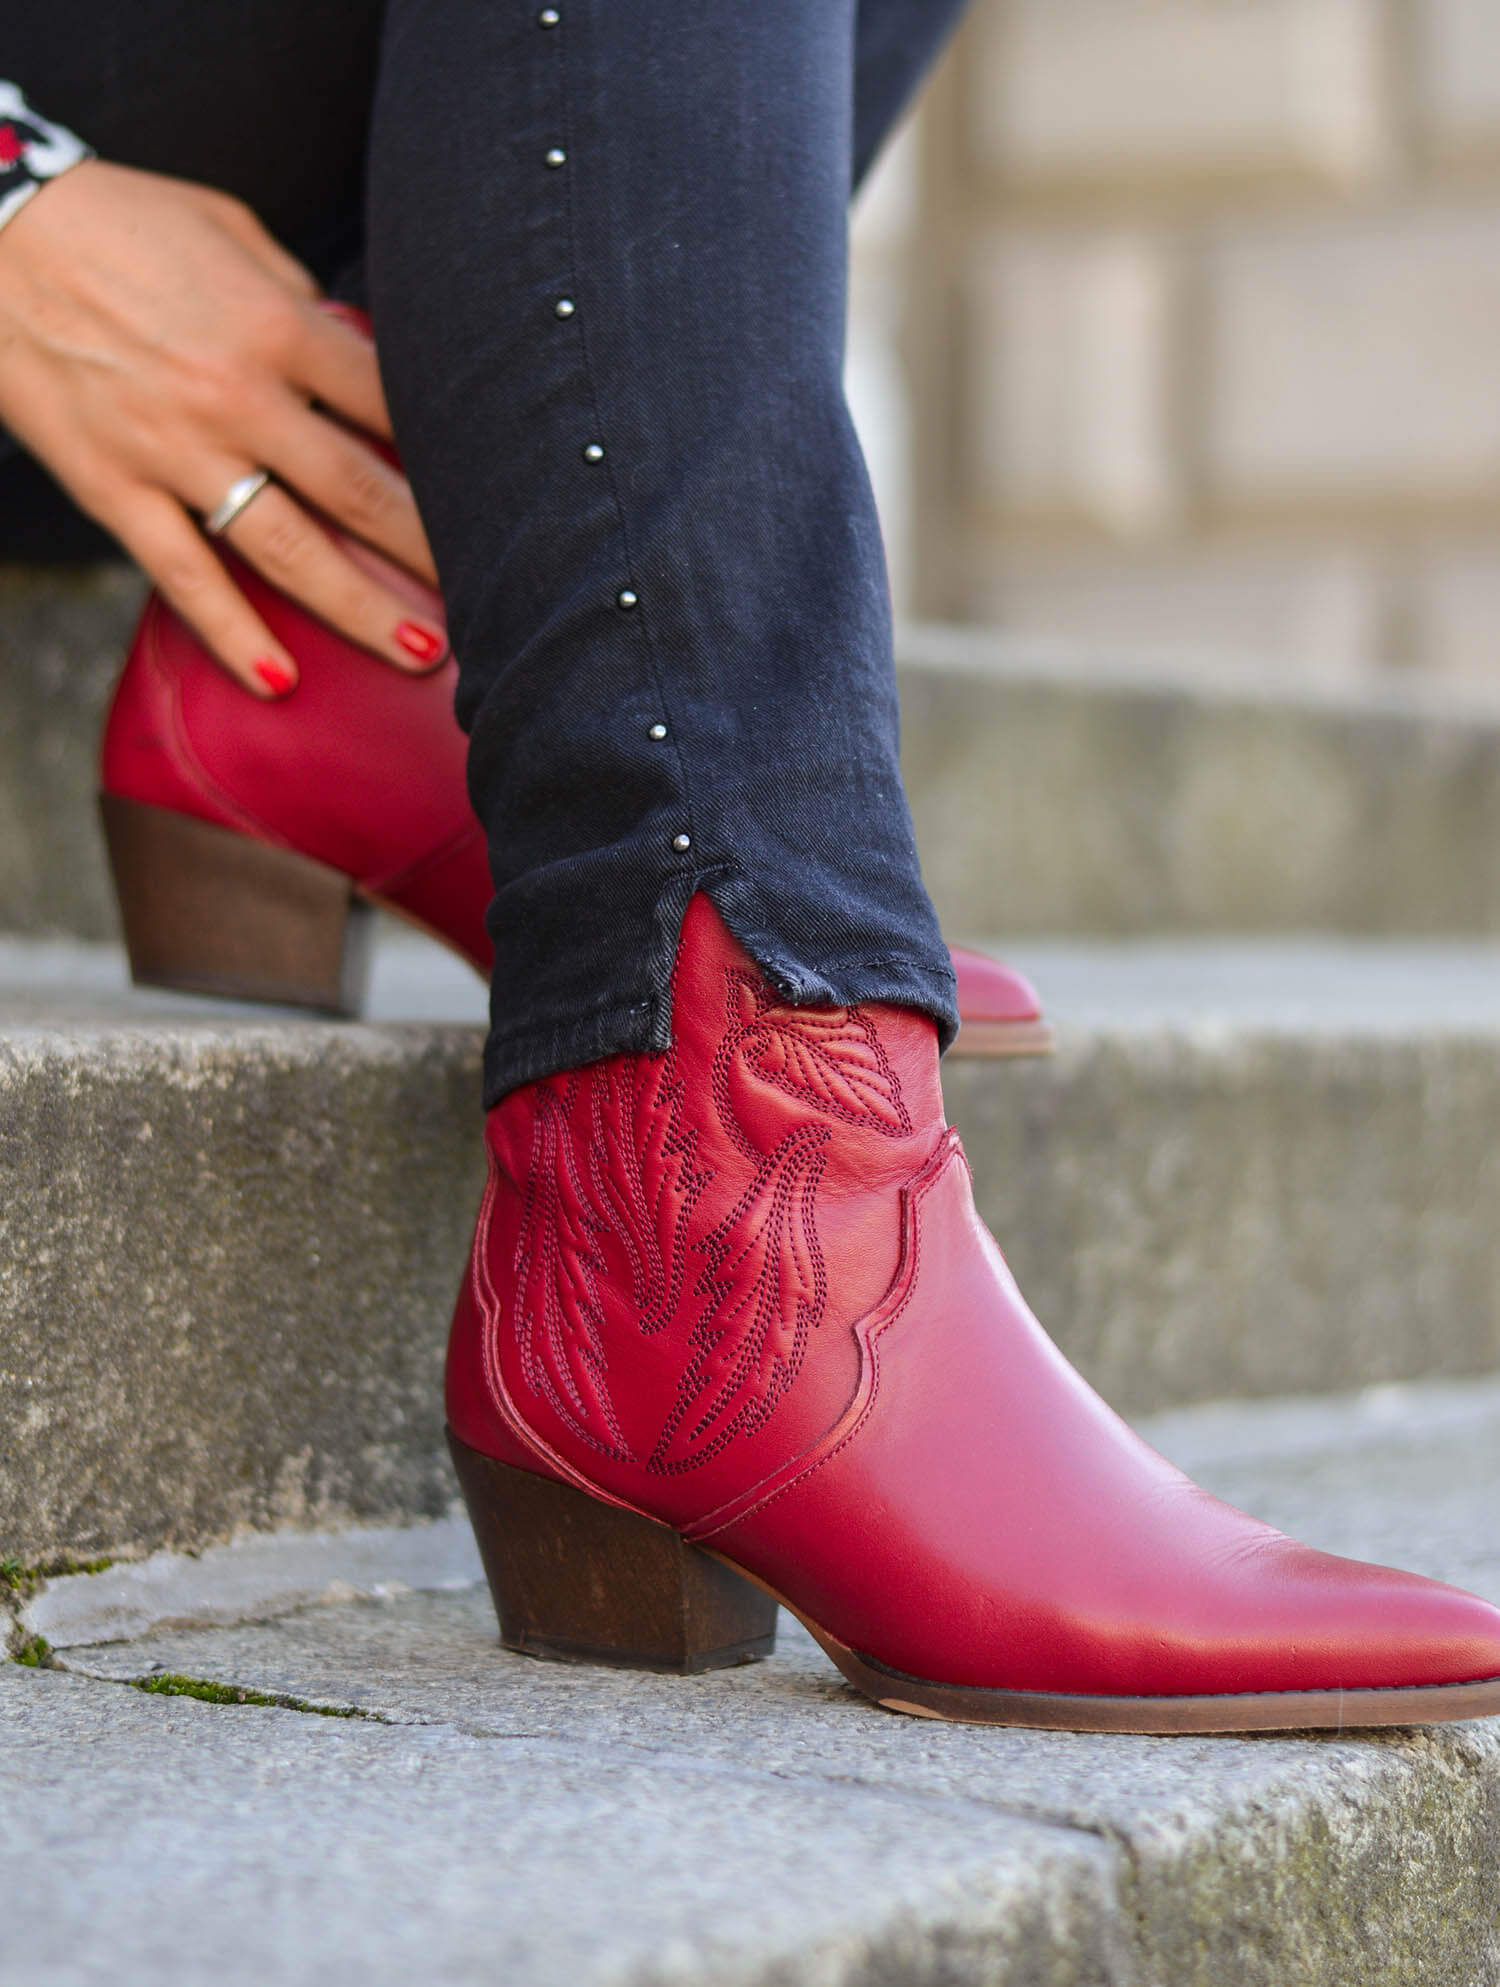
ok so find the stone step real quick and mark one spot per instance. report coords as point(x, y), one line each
point(229, 1238)
point(455, 1803)
point(1251, 1168)
point(1054, 794)
point(1053, 791)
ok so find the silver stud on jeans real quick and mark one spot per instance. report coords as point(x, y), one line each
point(682, 843)
point(625, 598)
point(593, 453)
point(548, 18)
point(557, 156)
point(564, 307)
point(657, 731)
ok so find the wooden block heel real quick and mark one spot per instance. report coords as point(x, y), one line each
point(585, 1582)
point(207, 910)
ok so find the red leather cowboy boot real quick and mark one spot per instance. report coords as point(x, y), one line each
point(732, 1333)
point(249, 840)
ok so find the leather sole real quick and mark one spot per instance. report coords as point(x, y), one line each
point(1254, 1711)
point(989, 1039)
point(575, 1579)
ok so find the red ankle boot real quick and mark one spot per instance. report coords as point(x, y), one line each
point(250, 840)
point(732, 1333)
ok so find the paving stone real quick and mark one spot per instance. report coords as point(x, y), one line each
point(166, 1840)
point(255, 1577)
point(1215, 1211)
point(228, 1251)
point(779, 1828)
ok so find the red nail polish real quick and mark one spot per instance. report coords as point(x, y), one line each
point(424, 643)
point(277, 678)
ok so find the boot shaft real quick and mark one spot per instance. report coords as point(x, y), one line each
point(675, 1248)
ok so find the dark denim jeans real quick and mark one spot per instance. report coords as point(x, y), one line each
point(606, 250)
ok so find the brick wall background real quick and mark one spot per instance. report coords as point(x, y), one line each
point(1177, 328)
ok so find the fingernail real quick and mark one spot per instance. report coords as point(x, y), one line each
point(277, 678)
point(426, 644)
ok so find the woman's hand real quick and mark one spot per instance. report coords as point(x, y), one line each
point(156, 345)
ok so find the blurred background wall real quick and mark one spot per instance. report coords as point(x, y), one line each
point(1176, 330)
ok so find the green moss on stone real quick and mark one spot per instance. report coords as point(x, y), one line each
point(21, 1580)
point(170, 1684)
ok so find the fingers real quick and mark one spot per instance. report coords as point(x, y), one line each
point(276, 536)
point(336, 364)
point(347, 481)
point(160, 536)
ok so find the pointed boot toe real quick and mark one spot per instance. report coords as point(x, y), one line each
point(999, 1009)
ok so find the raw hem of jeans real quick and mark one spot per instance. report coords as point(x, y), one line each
point(530, 1054)
point(891, 978)
point(526, 1055)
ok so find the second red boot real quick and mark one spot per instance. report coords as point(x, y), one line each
point(249, 839)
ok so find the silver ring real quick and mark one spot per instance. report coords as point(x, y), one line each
point(241, 492)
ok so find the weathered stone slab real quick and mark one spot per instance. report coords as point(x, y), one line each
point(164, 1840)
point(227, 1258)
point(954, 1855)
point(1206, 1211)
point(254, 1577)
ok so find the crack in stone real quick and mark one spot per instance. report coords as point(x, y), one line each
point(206, 1690)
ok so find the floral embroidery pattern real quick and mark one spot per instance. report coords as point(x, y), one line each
point(557, 1268)
point(827, 1057)
point(613, 1205)
point(766, 1289)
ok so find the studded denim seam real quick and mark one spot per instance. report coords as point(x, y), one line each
point(601, 434)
